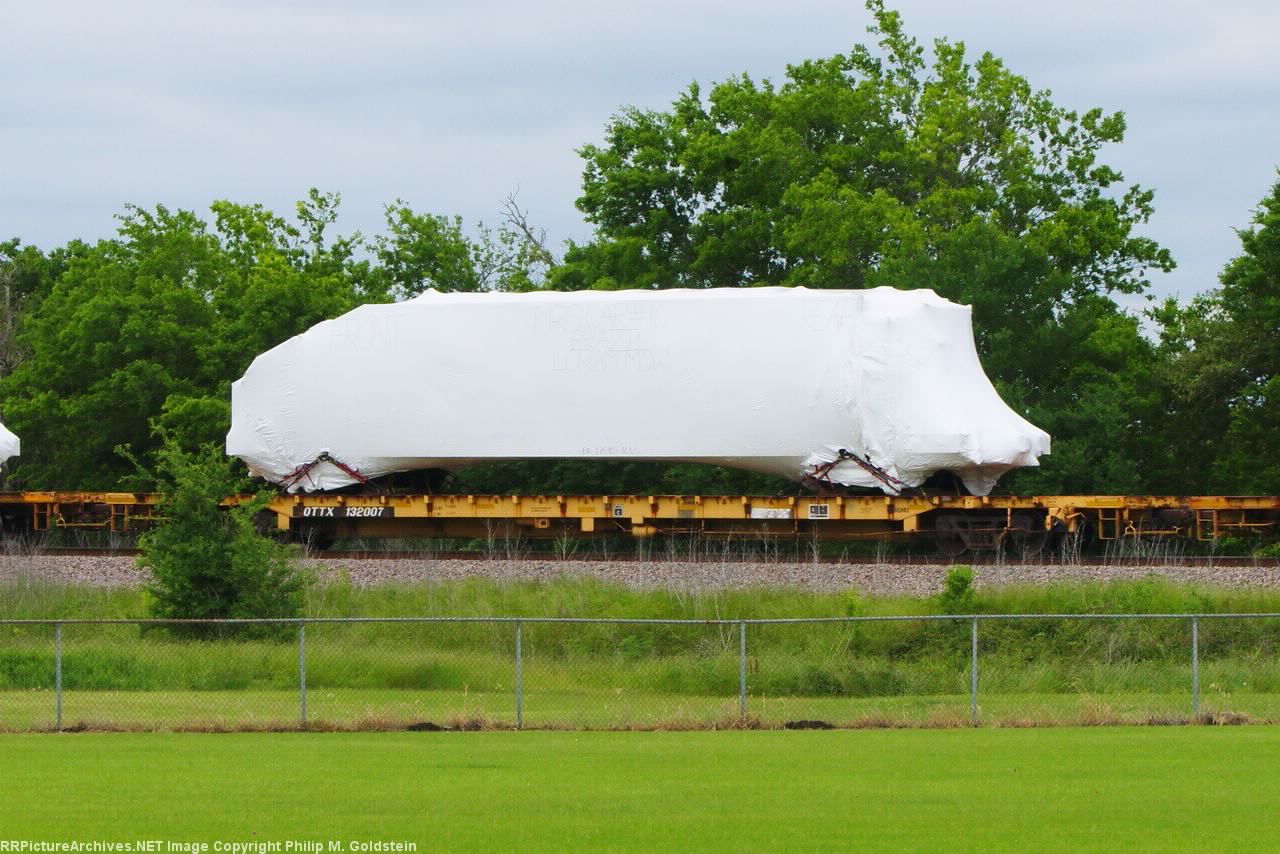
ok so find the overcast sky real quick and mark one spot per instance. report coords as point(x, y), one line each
point(450, 106)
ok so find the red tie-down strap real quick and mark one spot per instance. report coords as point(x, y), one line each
point(304, 470)
point(821, 473)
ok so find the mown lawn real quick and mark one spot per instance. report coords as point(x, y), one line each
point(1154, 788)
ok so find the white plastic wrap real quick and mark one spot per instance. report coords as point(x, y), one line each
point(775, 380)
point(10, 446)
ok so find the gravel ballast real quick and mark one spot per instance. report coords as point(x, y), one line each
point(885, 579)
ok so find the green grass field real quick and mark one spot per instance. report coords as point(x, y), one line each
point(1151, 788)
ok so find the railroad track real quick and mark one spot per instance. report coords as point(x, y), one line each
point(1205, 561)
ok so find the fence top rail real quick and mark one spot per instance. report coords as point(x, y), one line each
point(895, 618)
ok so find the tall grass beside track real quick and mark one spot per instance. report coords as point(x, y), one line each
point(622, 675)
point(32, 597)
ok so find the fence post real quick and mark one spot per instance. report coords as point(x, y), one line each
point(1195, 667)
point(519, 679)
point(302, 669)
point(973, 672)
point(742, 669)
point(57, 671)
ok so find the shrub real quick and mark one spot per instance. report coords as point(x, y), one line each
point(957, 595)
point(1269, 550)
point(208, 562)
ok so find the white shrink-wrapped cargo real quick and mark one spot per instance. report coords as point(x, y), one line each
point(10, 446)
point(875, 388)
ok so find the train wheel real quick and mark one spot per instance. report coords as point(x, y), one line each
point(1025, 538)
point(950, 535)
point(313, 538)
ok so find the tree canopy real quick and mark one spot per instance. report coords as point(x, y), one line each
point(867, 168)
point(878, 167)
point(153, 325)
point(1224, 363)
point(149, 329)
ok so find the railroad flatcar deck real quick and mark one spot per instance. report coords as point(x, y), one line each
point(957, 523)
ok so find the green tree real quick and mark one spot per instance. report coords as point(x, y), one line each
point(121, 329)
point(209, 562)
point(864, 168)
point(423, 251)
point(156, 323)
point(1224, 351)
point(26, 277)
point(877, 167)
point(1103, 399)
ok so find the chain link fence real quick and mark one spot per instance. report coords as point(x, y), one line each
point(546, 673)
